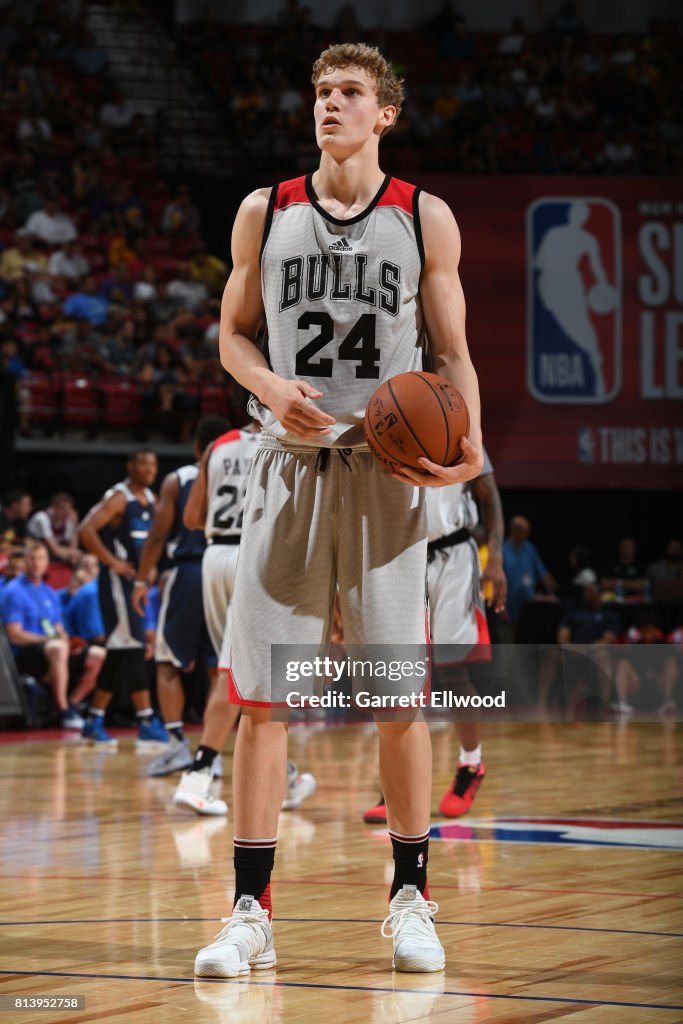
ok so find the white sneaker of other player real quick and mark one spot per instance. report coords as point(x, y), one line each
point(410, 924)
point(246, 942)
point(194, 790)
point(176, 758)
point(299, 787)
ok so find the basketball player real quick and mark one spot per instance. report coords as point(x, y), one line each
point(344, 264)
point(115, 530)
point(216, 503)
point(181, 634)
point(457, 621)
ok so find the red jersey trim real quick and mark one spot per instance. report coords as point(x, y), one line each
point(400, 194)
point(291, 192)
point(232, 435)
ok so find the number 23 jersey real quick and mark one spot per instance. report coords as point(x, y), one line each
point(341, 299)
point(227, 472)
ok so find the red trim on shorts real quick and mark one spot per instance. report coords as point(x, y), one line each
point(236, 697)
point(232, 435)
point(480, 649)
point(291, 192)
point(398, 193)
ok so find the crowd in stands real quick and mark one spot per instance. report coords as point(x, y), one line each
point(109, 299)
point(605, 608)
point(560, 101)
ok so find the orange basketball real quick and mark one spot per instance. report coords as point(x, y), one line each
point(416, 415)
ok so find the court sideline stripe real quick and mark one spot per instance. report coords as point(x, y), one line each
point(32, 877)
point(350, 988)
point(342, 920)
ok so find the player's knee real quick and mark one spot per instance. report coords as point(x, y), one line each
point(96, 655)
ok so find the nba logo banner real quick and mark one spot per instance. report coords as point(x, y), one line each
point(573, 300)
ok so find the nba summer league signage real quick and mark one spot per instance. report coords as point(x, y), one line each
point(575, 320)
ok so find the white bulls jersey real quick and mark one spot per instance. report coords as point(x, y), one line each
point(227, 472)
point(341, 299)
point(453, 507)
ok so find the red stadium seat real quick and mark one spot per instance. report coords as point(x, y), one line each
point(121, 402)
point(213, 400)
point(39, 399)
point(81, 406)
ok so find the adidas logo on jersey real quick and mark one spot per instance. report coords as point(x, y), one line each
point(341, 246)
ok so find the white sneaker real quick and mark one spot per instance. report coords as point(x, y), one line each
point(410, 924)
point(299, 787)
point(245, 942)
point(623, 709)
point(194, 790)
point(175, 758)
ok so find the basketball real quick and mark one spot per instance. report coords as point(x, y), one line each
point(602, 298)
point(416, 415)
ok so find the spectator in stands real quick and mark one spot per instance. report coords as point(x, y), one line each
point(512, 43)
point(87, 57)
point(87, 303)
point(644, 670)
point(180, 216)
point(21, 258)
point(589, 621)
point(457, 42)
point(211, 271)
point(50, 224)
point(567, 21)
point(524, 569)
point(89, 131)
point(625, 573)
point(82, 615)
point(14, 517)
point(619, 155)
point(118, 112)
point(14, 566)
point(117, 286)
point(346, 28)
point(69, 262)
point(57, 526)
point(199, 357)
point(188, 294)
point(670, 567)
point(33, 621)
point(34, 131)
point(11, 360)
point(145, 290)
point(120, 353)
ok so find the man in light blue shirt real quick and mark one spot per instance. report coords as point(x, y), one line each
point(524, 568)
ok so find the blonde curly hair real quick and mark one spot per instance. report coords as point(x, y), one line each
point(388, 86)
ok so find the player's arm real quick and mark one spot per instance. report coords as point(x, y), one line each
point(488, 497)
point(162, 524)
point(443, 306)
point(194, 513)
point(99, 516)
point(242, 312)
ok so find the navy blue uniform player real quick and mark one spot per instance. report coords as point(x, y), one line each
point(115, 530)
point(182, 635)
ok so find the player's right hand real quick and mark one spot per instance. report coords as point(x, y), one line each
point(291, 402)
point(124, 569)
point(139, 600)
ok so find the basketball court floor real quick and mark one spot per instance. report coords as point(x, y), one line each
point(561, 892)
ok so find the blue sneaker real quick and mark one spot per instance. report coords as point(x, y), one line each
point(152, 736)
point(95, 733)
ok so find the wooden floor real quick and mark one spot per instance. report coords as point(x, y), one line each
point(577, 914)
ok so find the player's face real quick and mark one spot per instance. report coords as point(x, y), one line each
point(144, 468)
point(346, 110)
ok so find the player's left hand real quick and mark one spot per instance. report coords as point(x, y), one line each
point(469, 468)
